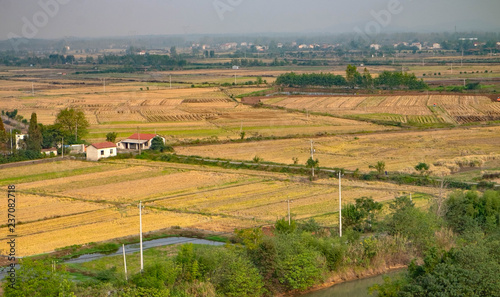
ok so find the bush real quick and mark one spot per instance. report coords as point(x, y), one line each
point(231, 273)
point(157, 276)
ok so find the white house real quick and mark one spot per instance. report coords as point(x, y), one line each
point(136, 141)
point(19, 140)
point(101, 150)
point(375, 46)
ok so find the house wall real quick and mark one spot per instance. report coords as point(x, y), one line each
point(94, 154)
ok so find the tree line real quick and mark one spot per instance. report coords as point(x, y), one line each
point(353, 79)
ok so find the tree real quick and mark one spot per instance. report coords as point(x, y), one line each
point(157, 144)
point(111, 136)
point(3, 133)
point(312, 164)
point(422, 167)
point(34, 141)
point(73, 123)
point(37, 279)
point(367, 80)
point(352, 75)
point(380, 167)
point(173, 51)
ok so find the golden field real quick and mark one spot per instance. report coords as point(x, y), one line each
point(83, 207)
point(399, 150)
point(452, 109)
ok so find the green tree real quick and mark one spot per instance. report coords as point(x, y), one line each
point(367, 79)
point(36, 279)
point(157, 144)
point(311, 163)
point(111, 136)
point(73, 123)
point(3, 133)
point(282, 226)
point(380, 167)
point(173, 51)
point(422, 167)
point(352, 75)
point(34, 141)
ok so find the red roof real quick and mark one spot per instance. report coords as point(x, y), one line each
point(103, 145)
point(141, 136)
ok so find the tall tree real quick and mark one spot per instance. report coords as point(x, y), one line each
point(34, 141)
point(3, 135)
point(352, 75)
point(73, 123)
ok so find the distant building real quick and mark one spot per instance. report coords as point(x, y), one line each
point(417, 45)
point(236, 67)
point(98, 151)
point(436, 46)
point(20, 138)
point(136, 141)
point(375, 46)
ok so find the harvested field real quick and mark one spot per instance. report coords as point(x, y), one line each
point(399, 150)
point(419, 109)
point(59, 212)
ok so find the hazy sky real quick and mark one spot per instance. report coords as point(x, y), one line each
point(98, 18)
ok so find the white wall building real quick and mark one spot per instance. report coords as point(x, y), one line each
point(136, 141)
point(101, 150)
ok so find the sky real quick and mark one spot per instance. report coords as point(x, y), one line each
point(53, 19)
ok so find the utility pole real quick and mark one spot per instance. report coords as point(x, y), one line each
point(104, 84)
point(340, 203)
point(235, 78)
point(11, 149)
point(76, 131)
point(312, 157)
point(140, 234)
point(62, 147)
point(170, 75)
point(125, 262)
point(33, 89)
point(289, 216)
point(139, 140)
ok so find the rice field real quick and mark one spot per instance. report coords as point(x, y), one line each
point(423, 109)
point(92, 206)
point(399, 150)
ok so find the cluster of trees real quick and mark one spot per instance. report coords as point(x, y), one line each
point(471, 267)
point(70, 126)
point(353, 79)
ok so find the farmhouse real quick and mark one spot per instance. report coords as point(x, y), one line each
point(101, 150)
point(138, 140)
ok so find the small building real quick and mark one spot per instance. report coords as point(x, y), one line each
point(20, 138)
point(375, 46)
point(101, 150)
point(136, 141)
point(49, 151)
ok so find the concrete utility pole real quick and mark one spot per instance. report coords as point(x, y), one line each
point(312, 157)
point(340, 203)
point(289, 216)
point(104, 84)
point(33, 89)
point(140, 235)
point(139, 140)
point(62, 147)
point(125, 262)
point(170, 80)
